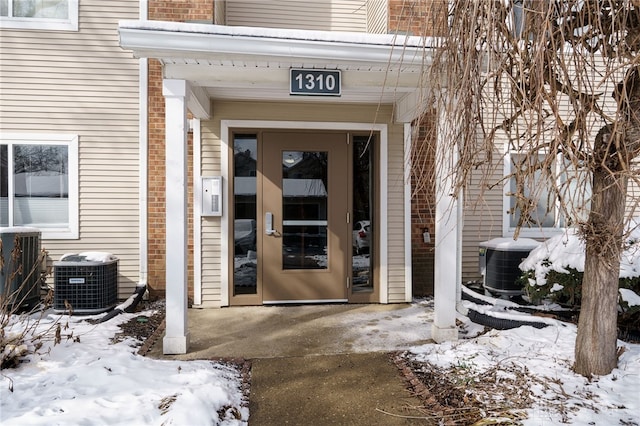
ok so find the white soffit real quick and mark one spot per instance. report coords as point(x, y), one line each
point(253, 63)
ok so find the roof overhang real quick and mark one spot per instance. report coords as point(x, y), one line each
point(249, 63)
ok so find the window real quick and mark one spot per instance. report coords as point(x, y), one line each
point(517, 16)
point(544, 213)
point(39, 14)
point(547, 216)
point(38, 183)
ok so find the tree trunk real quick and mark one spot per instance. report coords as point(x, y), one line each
point(596, 351)
point(614, 149)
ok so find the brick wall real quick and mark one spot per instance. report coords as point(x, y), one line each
point(417, 17)
point(176, 11)
point(423, 206)
point(181, 10)
point(155, 182)
point(421, 18)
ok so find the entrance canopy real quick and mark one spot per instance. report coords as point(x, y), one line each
point(202, 63)
point(248, 63)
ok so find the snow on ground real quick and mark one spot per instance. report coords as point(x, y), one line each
point(95, 382)
point(547, 354)
point(395, 330)
point(87, 380)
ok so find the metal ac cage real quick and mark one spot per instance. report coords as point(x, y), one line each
point(85, 285)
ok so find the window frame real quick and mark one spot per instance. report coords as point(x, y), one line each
point(49, 24)
point(526, 232)
point(71, 142)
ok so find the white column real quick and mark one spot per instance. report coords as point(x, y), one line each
point(447, 239)
point(176, 340)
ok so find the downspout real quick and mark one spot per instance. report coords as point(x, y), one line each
point(130, 304)
point(197, 209)
point(143, 102)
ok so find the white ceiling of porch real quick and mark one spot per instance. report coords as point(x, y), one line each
point(253, 63)
point(268, 80)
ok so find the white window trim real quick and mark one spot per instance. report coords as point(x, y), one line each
point(50, 24)
point(507, 229)
point(71, 140)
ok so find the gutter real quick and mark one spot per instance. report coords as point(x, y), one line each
point(181, 40)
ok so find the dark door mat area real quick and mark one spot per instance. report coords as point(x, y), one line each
point(350, 389)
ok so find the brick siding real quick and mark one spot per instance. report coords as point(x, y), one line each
point(423, 206)
point(417, 17)
point(175, 11)
point(421, 18)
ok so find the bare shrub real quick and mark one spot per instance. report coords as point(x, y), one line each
point(540, 103)
point(22, 331)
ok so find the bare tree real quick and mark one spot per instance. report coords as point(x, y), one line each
point(553, 89)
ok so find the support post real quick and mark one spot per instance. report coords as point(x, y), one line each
point(448, 228)
point(176, 340)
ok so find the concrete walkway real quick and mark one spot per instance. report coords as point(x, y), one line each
point(316, 364)
point(355, 389)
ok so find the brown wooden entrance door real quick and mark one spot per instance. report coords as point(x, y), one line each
point(305, 234)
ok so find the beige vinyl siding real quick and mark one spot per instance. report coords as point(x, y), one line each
point(482, 221)
point(395, 212)
point(211, 145)
point(83, 83)
point(377, 16)
point(483, 218)
point(633, 195)
point(326, 15)
point(211, 234)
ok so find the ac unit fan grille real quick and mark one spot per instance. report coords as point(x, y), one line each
point(89, 289)
point(502, 271)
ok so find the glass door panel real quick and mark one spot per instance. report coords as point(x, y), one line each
point(304, 209)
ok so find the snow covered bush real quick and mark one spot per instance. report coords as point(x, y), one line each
point(554, 270)
point(20, 334)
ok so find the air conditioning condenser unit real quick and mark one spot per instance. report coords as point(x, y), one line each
point(500, 259)
point(85, 283)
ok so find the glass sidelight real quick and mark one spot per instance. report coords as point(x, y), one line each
point(304, 209)
point(363, 217)
point(245, 260)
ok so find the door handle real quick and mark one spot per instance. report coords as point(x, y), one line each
point(268, 224)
